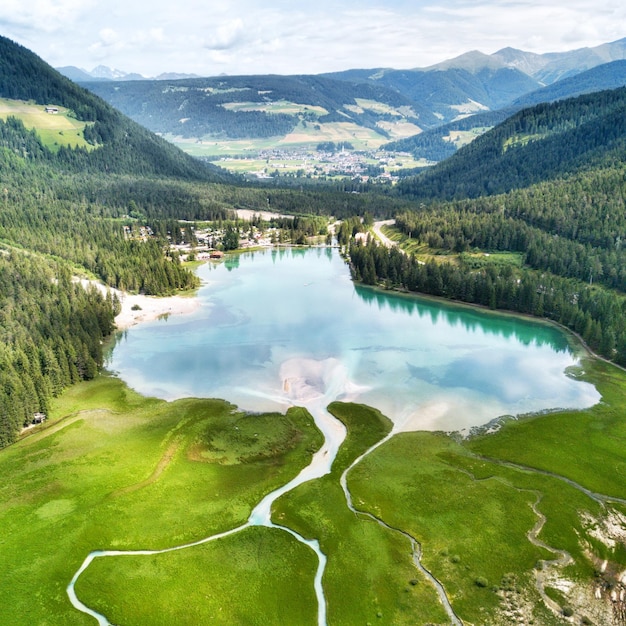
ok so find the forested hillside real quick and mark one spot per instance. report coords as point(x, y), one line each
point(253, 106)
point(534, 145)
point(51, 336)
point(61, 213)
point(450, 92)
point(437, 144)
point(119, 144)
point(500, 238)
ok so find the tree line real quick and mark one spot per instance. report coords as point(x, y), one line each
point(598, 315)
point(51, 335)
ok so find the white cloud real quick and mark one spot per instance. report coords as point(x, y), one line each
point(244, 36)
point(226, 35)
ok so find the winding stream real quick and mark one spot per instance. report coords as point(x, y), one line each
point(315, 401)
point(416, 546)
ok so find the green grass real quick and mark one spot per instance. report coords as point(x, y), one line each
point(469, 529)
point(114, 470)
point(370, 577)
point(475, 259)
point(586, 446)
point(304, 136)
point(54, 130)
point(473, 514)
point(280, 106)
point(258, 576)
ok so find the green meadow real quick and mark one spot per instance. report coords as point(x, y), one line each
point(54, 129)
point(114, 470)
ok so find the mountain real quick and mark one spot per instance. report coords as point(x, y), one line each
point(114, 142)
point(451, 92)
point(544, 68)
point(107, 73)
point(403, 106)
point(102, 72)
point(437, 144)
point(75, 74)
point(260, 106)
point(609, 75)
point(475, 82)
point(537, 144)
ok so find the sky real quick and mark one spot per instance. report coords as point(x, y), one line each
point(212, 37)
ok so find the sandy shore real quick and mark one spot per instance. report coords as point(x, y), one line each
point(138, 308)
point(148, 308)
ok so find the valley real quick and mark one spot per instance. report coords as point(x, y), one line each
point(377, 389)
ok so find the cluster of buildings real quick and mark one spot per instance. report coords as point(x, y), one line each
point(362, 166)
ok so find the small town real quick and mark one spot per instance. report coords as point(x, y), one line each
point(376, 166)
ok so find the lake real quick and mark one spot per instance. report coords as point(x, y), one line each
point(286, 325)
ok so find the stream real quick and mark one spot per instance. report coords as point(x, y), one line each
point(314, 386)
point(315, 401)
point(426, 365)
point(416, 546)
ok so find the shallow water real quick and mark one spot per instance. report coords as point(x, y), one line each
point(277, 326)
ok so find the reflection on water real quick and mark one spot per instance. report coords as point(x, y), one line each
point(471, 319)
point(424, 364)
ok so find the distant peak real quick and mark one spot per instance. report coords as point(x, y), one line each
point(472, 61)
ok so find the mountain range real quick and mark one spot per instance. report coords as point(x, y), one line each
point(429, 112)
point(102, 72)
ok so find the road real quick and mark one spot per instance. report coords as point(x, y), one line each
point(381, 236)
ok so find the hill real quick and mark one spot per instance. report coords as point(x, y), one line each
point(72, 169)
point(120, 145)
point(236, 107)
point(536, 144)
point(450, 92)
point(529, 217)
point(365, 108)
point(437, 144)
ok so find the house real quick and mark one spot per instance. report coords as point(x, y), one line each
point(52, 110)
point(38, 418)
point(216, 254)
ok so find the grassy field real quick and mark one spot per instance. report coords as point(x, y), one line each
point(115, 470)
point(370, 577)
point(303, 137)
point(474, 514)
point(258, 576)
point(473, 259)
point(280, 106)
point(54, 130)
point(461, 138)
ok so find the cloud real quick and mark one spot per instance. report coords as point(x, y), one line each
point(43, 16)
point(227, 35)
point(281, 36)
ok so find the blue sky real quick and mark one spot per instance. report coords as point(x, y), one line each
point(209, 37)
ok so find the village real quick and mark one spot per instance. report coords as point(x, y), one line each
point(374, 166)
point(202, 241)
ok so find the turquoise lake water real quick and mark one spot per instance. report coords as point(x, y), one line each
point(278, 327)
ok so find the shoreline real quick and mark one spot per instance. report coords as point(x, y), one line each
point(139, 308)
